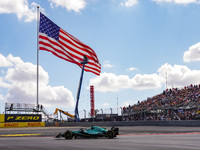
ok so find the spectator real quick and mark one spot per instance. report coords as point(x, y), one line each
point(167, 105)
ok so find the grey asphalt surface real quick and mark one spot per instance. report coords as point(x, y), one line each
point(134, 137)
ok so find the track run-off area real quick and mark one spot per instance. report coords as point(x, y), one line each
point(131, 137)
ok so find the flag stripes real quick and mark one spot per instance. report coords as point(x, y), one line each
point(66, 46)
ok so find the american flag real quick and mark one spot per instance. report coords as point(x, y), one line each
point(54, 39)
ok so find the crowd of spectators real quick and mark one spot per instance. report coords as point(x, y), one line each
point(171, 104)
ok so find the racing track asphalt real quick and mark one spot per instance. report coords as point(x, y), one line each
point(134, 137)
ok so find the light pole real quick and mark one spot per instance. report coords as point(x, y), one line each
point(102, 114)
point(166, 81)
point(122, 113)
point(111, 113)
point(84, 114)
point(117, 105)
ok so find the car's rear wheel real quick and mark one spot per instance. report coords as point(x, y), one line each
point(110, 134)
point(68, 135)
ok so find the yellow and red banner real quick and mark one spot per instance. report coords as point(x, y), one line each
point(21, 120)
point(22, 124)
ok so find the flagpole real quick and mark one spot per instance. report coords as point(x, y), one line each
point(37, 102)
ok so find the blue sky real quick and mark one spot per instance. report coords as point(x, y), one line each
point(141, 44)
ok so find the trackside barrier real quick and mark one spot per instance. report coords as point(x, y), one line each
point(2, 118)
point(20, 120)
point(22, 124)
point(181, 123)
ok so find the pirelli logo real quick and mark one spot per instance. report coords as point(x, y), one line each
point(22, 118)
point(10, 125)
point(36, 124)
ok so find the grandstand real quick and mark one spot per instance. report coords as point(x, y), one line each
point(171, 104)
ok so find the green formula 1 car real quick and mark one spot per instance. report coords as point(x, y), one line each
point(93, 132)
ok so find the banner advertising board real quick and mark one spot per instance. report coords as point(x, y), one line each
point(22, 124)
point(23, 118)
point(92, 101)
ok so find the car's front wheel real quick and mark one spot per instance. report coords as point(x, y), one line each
point(68, 135)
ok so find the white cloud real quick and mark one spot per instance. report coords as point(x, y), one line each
point(1, 97)
point(107, 64)
point(177, 1)
point(111, 82)
point(4, 61)
point(162, 1)
point(176, 76)
point(3, 83)
point(75, 5)
point(26, 72)
point(146, 81)
point(193, 54)
point(21, 8)
point(105, 104)
point(132, 69)
point(127, 103)
point(129, 3)
point(20, 80)
point(2, 71)
point(179, 75)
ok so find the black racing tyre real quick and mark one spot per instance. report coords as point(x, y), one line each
point(110, 134)
point(68, 135)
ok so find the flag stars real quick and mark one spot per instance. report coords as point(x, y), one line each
point(48, 27)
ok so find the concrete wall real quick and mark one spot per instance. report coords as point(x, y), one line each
point(183, 123)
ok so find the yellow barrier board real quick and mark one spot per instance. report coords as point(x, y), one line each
point(22, 124)
point(2, 118)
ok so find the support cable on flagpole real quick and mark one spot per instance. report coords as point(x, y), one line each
point(37, 102)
